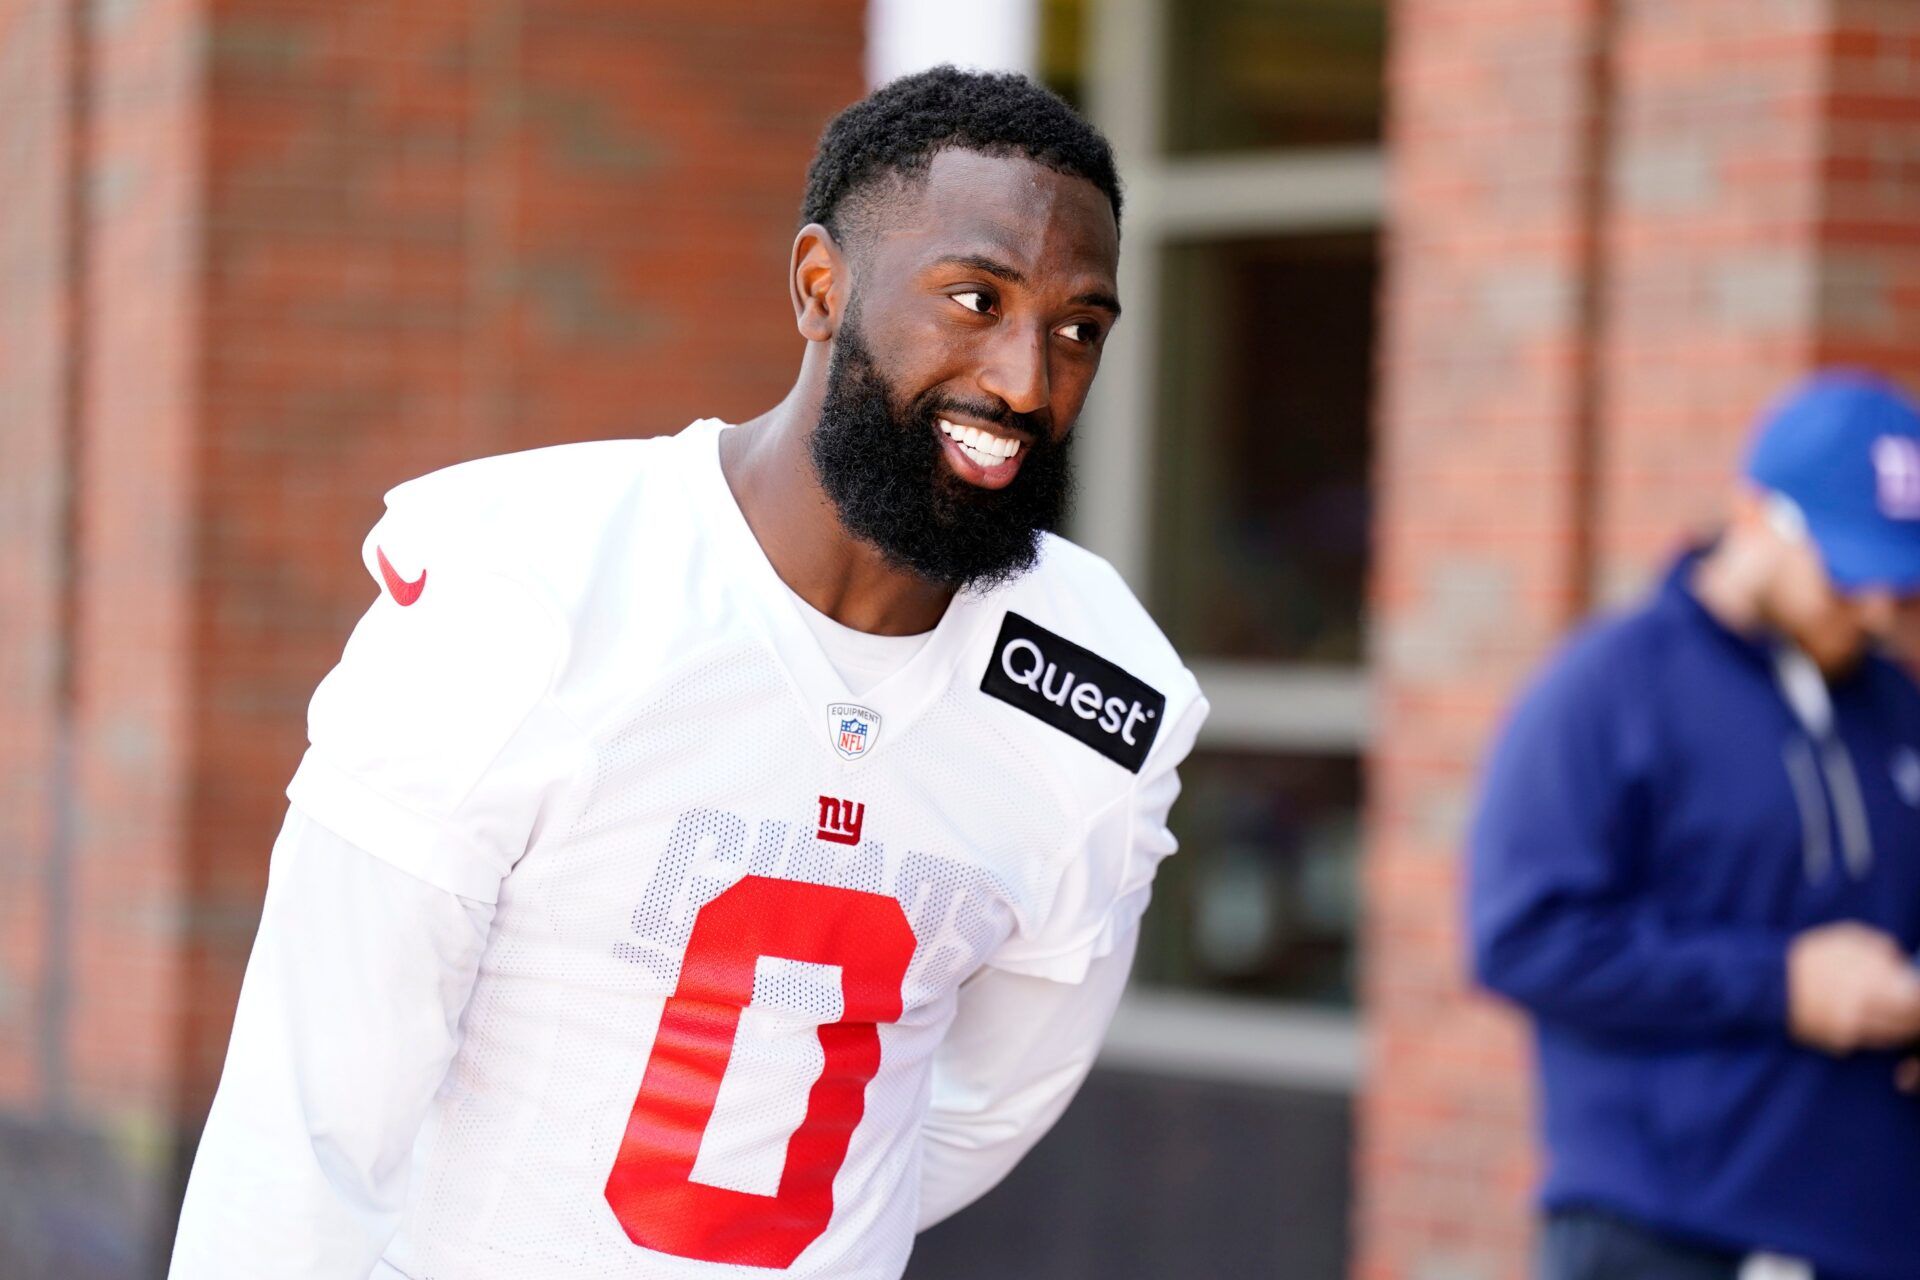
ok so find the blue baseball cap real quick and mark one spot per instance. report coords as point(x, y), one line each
point(1844, 446)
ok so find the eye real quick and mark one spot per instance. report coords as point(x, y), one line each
point(975, 301)
point(1081, 331)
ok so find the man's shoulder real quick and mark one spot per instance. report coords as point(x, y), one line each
point(1075, 591)
point(1073, 615)
point(503, 500)
point(1607, 665)
point(1611, 641)
point(1893, 684)
point(538, 517)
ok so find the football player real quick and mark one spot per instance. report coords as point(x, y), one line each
point(721, 854)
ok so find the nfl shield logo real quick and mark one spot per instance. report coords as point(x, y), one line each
point(852, 729)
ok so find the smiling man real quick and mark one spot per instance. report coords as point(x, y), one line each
point(722, 854)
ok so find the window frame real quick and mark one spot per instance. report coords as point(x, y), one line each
point(1278, 707)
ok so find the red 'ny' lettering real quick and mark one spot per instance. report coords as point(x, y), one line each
point(651, 1188)
point(840, 820)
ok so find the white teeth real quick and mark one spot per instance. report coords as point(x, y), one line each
point(983, 447)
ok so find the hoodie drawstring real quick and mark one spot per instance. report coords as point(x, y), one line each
point(1821, 754)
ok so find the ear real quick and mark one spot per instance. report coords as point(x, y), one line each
point(817, 283)
point(1751, 526)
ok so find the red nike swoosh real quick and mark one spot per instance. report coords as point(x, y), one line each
point(404, 592)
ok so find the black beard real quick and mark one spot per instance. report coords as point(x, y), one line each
point(881, 468)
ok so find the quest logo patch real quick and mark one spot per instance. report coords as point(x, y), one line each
point(1075, 690)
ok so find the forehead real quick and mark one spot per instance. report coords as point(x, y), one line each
point(1010, 208)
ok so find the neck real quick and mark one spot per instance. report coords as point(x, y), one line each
point(1727, 584)
point(770, 469)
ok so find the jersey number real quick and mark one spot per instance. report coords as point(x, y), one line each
point(651, 1188)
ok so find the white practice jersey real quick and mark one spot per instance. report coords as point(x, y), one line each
point(733, 903)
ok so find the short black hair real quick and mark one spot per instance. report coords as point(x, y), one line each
point(898, 128)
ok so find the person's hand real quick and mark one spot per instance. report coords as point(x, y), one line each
point(1851, 987)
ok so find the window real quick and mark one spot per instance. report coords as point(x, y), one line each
point(1232, 416)
point(1261, 501)
point(1269, 74)
point(1266, 903)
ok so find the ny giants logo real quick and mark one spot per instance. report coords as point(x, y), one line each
point(1896, 465)
point(840, 820)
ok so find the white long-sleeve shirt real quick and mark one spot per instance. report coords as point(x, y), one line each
point(348, 1017)
point(617, 933)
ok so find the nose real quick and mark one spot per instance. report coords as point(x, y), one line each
point(1016, 368)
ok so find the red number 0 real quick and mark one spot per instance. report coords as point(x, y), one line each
point(651, 1188)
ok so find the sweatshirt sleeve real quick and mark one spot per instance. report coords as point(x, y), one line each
point(435, 741)
point(347, 1021)
point(1560, 912)
point(1104, 890)
point(1019, 1049)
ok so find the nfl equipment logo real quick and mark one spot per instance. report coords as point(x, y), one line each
point(852, 729)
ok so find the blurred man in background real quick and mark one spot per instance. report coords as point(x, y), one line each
point(1696, 864)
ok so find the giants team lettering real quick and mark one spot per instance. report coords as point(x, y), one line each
point(840, 820)
point(1075, 690)
point(651, 1188)
point(957, 909)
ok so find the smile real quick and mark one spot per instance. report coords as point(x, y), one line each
point(982, 448)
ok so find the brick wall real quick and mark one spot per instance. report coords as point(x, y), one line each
point(442, 231)
point(1482, 441)
point(317, 249)
point(1713, 258)
point(1869, 218)
point(36, 68)
point(1617, 228)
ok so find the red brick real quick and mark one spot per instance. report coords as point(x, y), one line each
point(1753, 221)
point(352, 243)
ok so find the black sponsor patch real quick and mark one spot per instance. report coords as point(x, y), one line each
point(1075, 690)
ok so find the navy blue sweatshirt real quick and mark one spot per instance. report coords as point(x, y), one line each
point(1657, 823)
